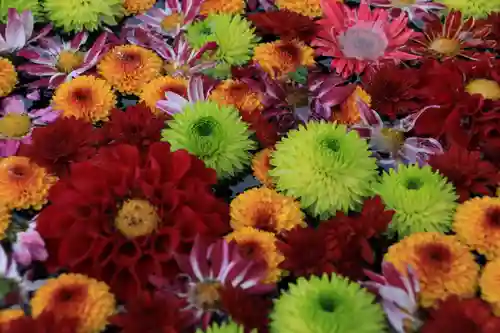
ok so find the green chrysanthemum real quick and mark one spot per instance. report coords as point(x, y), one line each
point(327, 305)
point(475, 8)
point(77, 15)
point(423, 200)
point(234, 36)
point(20, 5)
point(230, 327)
point(325, 167)
point(214, 133)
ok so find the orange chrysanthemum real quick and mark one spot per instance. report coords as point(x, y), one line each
point(5, 218)
point(155, 90)
point(222, 7)
point(238, 94)
point(129, 67)
point(8, 77)
point(349, 112)
point(137, 6)
point(85, 97)
point(283, 57)
point(259, 245)
point(311, 8)
point(443, 265)
point(261, 167)
point(9, 314)
point(23, 184)
point(490, 285)
point(76, 296)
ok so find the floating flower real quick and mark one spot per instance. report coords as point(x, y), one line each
point(489, 285)
point(455, 37)
point(310, 8)
point(475, 8)
point(238, 94)
point(229, 327)
point(326, 304)
point(443, 265)
point(23, 184)
point(74, 15)
point(138, 6)
point(359, 38)
point(261, 167)
point(17, 124)
point(282, 57)
point(29, 246)
point(29, 5)
point(19, 31)
point(423, 200)
point(259, 246)
point(155, 90)
point(222, 7)
point(76, 296)
point(265, 209)
point(477, 224)
point(141, 232)
point(129, 67)
point(213, 133)
point(5, 218)
point(417, 10)
point(85, 97)
point(324, 166)
point(60, 60)
point(8, 77)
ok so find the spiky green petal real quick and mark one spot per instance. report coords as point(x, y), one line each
point(475, 8)
point(20, 5)
point(77, 15)
point(423, 200)
point(230, 327)
point(325, 167)
point(327, 305)
point(214, 133)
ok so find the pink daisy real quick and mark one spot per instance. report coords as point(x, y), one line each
point(60, 60)
point(19, 31)
point(17, 123)
point(416, 9)
point(358, 38)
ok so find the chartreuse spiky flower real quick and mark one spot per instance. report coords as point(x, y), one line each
point(326, 304)
point(325, 167)
point(423, 200)
point(214, 133)
point(20, 6)
point(229, 327)
point(77, 15)
point(475, 8)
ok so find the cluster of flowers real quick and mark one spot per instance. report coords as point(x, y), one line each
point(230, 166)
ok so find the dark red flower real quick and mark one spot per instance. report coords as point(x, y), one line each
point(120, 218)
point(493, 23)
point(151, 314)
point(61, 143)
point(47, 322)
point(265, 130)
point(137, 125)
point(467, 171)
point(462, 315)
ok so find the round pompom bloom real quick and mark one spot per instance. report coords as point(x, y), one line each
point(77, 15)
point(423, 200)
point(129, 67)
point(155, 90)
point(23, 184)
point(76, 296)
point(477, 224)
point(265, 209)
point(490, 284)
point(444, 266)
point(20, 6)
point(137, 6)
point(8, 77)
point(121, 216)
point(85, 97)
point(311, 8)
point(325, 167)
point(475, 8)
point(261, 166)
point(222, 7)
point(238, 94)
point(326, 304)
point(214, 133)
point(228, 327)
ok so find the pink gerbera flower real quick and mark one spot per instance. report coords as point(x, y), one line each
point(416, 9)
point(60, 60)
point(19, 31)
point(357, 38)
point(17, 123)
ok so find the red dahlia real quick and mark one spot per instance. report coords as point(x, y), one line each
point(61, 143)
point(120, 218)
point(47, 322)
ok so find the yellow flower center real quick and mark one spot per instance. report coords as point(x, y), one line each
point(205, 295)
point(395, 139)
point(14, 125)
point(170, 22)
point(446, 46)
point(170, 68)
point(137, 218)
point(68, 61)
point(489, 89)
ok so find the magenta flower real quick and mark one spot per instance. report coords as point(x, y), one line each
point(56, 60)
point(19, 31)
point(29, 246)
point(399, 294)
point(416, 9)
point(17, 123)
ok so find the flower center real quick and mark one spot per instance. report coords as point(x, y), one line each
point(264, 217)
point(20, 170)
point(489, 89)
point(250, 250)
point(172, 21)
point(394, 139)
point(136, 218)
point(14, 125)
point(435, 255)
point(68, 61)
point(446, 46)
point(205, 126)
point(82, 96)
point(493, 217)
point(205, 295)
point(414, 183)
point(69, 294)
point(290, 51)
point(130, 60)
point(331, 145)
point(363, 44)
point(326, 303)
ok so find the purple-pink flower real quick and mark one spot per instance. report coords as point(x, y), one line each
point(18, 31)
point(29, 246)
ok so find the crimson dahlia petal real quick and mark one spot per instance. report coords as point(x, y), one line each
point(44, 323)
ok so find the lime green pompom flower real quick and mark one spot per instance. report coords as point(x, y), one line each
point(77, 15)
point(215, 134)
point(325, 167)
point(475, 8)
point(230, 327)
point(423, 200)
point(328, 304)
point(20, 5)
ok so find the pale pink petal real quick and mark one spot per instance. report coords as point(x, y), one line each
point(8, 147)
point(28, 23)
point(14, 33)
point(13, 104)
